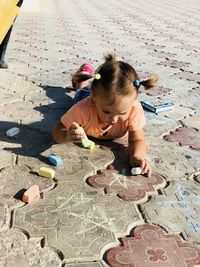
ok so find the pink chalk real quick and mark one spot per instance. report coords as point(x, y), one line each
point(32, 194)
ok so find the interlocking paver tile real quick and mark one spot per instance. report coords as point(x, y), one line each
point(87, 264)
point(190, 76)
point(195, 90)
point(16, 179)
point(4, 217)
point(192, 121)
point(174, 63)
point(151, 246)
point(161, 54)
point(79, 224)
point(20, 144)
point(181, 163)
point(177, 209)
point(6, 158)
point(157, 91)
point(20, 251)
point(185, 137)
point(125, 186)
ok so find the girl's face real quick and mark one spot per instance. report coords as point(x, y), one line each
point(111, 113)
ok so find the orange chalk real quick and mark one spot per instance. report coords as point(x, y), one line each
point(33, 193)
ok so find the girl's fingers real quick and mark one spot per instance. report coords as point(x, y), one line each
point(74, 125)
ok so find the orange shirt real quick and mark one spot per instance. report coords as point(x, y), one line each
point(85, 114)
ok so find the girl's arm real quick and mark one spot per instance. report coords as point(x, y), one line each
point(137, 151)
point(62, 135)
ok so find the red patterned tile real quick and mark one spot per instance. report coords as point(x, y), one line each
point(126, 186)
point(152, 247)
point(157, 91)
point(185, 137)
point(174, 63)
point(161, 54)
point(195, 90)
point(190, 76)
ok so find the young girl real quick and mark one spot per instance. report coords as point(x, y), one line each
point(109, 109)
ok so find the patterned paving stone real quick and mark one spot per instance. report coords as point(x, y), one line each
point(181, 163)
point(195, 90)
point(192, 121)
point(20, 251)
point(130, 188)
point(190, 76)
point(6, 158)
point(7, 96)
point(157, 91)
point(185, 137)
point(18, 110)
point(96, 158)
point(4, 217)
point(151, 246)
point(79, 224)
point(178, 113)
point(161, 54)
point(20, 144)
point(87, 264)
point(174, 64)
point(177, 209)
point(14, 180)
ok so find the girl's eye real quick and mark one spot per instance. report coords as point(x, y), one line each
point(106, 112)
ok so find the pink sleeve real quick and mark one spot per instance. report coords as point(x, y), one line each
point(74, 114)
point(137, 118)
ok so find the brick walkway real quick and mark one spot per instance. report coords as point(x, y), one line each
point(92, 215)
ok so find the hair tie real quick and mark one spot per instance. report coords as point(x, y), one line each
point(97, 76)
point(136, 83)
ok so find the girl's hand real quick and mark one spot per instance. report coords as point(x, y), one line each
point(138, 162)
point(76, 132)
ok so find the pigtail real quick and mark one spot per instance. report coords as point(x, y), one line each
point(150, 82)
point(110, 57)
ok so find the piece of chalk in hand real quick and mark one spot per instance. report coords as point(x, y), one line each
point(55, 160)
point(33, 193)
point(86, 143)
point(47, 172)
point(12, 132)
point(136, 170)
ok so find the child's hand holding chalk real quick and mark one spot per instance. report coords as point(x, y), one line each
point(78, 135)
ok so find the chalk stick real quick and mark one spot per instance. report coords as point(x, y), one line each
point(46, 172)
point(55, 160)
point(86, 143)
point(12, 132)
point(136, 170)
point(32, 194)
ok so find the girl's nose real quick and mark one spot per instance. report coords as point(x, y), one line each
point(114, 119)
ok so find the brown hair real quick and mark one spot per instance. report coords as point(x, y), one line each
point(116, 78)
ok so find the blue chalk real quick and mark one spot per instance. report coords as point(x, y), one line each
point(55, 160)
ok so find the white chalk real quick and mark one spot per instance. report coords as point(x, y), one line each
point(12, 132)
point(136, 170)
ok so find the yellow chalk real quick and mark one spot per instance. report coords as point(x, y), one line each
point(47, 172)
point(86, 143)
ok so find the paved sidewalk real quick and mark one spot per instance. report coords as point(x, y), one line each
point(94, 213)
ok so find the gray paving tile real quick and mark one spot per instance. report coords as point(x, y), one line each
point(17, 250)
point(177, 209)
point(80, 225)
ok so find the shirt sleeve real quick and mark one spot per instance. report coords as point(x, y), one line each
point(137, 119)
point(74, 114)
